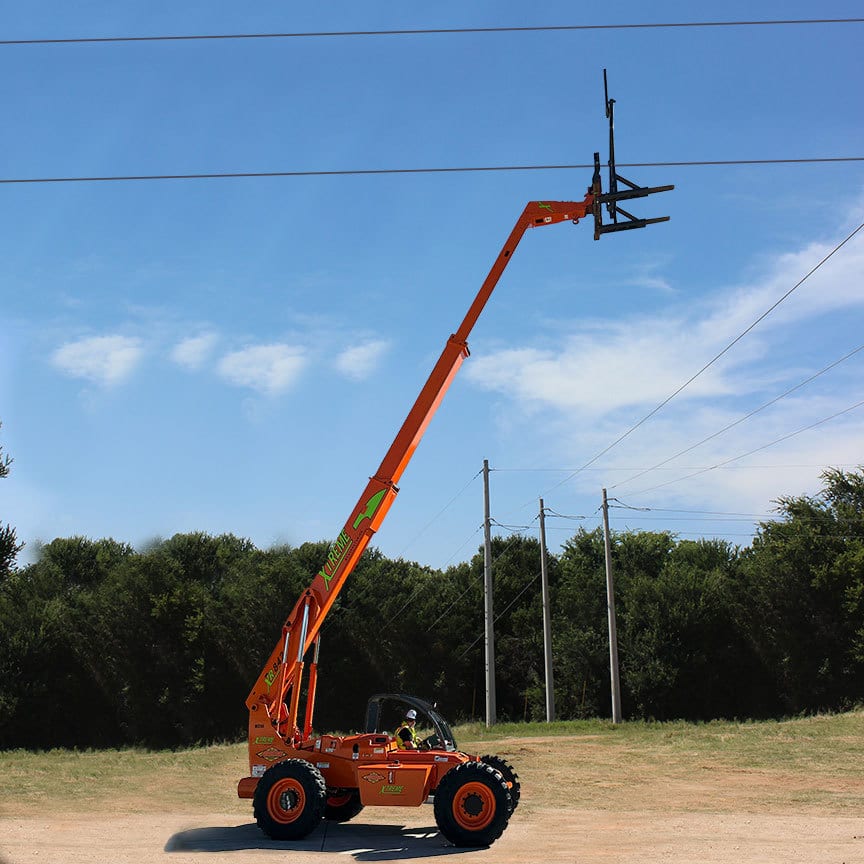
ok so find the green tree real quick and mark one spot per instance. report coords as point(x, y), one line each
point(682, 654)
point(579, 628)
point(46, 698)
point(516, 573)
point(9, 545)
point(805, 606)
point(162, 611)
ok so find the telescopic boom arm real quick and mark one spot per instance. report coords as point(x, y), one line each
point(280, 679)
point(277, 689)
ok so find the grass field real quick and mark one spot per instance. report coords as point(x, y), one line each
point(805, 765)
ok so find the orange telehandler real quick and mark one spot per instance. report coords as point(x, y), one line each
point(296, 779)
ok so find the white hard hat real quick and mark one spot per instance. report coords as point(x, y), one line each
point(411, 714)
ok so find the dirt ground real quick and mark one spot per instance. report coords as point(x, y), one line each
point(628, 811)
point(585, 836)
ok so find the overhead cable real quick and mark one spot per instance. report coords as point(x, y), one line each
point(756, 449)
point(466, 169)
point(438, 515)
point(710, 363)
point(494, 561)
point(431, 31)
point(711, 519)
point(678, 468)
point(620, 505)
point(500, 614)
point(553, 515)
point(778, 517)
point(729, 426)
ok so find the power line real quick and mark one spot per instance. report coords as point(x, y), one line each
point(552, 514)
point(500, 614)
point(511, 528)
point(778, 517)
point(755, 411)
point(466, 169)
point(437, 31)
point(756, 449)
point(620, 505)
point(710, 363)
point(695, 518)
point(470, 585)
point(701, 536)
point(679, 468)
point(438, 515)
point(421, 587)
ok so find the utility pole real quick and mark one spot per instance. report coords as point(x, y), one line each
point(547, 623)
point(610, 604)
point(487, 606)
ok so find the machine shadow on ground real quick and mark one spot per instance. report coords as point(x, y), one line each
point(362, 842)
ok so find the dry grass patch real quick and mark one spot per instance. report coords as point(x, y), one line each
point(122, 781)
point(803, 765)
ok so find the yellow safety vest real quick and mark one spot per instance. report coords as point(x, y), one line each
point(400, 744)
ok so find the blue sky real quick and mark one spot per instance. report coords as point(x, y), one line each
point(236, 355)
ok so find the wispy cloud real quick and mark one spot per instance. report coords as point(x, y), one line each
point(104, 360)
point(269, 369)
point(637, 361)
point(741, 471)
point(647, 275)
point(599, 380)
point(193, 353)
point(834, 286)
point(360, 361)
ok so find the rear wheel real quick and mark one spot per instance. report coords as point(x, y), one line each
point(289, 800)
point(511, 778)
point(342, 804)
point(472, 804)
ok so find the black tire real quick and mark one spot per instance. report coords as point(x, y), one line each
point(342, 804)
point(289, 800)
point(508, 772)
point(472, 804)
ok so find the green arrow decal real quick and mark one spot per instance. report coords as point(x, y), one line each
point(371, 507)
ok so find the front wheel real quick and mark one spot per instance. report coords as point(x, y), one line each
point(508, 772)
point(472, 805)
point(289, 800)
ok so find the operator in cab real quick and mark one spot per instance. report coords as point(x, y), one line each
point(406, 735)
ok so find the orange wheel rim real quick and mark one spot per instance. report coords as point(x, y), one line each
point(474, 806)
point(286, 801)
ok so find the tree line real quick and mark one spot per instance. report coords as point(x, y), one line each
point(104, 645)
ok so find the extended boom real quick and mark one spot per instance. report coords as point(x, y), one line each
point(297, 779)
point(279, 681)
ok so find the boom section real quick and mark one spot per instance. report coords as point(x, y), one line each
point(279, 681)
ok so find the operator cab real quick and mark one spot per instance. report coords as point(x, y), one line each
point(385, 711)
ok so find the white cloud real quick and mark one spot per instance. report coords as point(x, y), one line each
point(590, 385)
point(193, 352)
point(834, 286)
point(360, 361)
point(718, 477)
point(638, 361)
point(646, 276)
point(748, 485)
point(105, 360)
point(270, 369)
point(634, 363)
